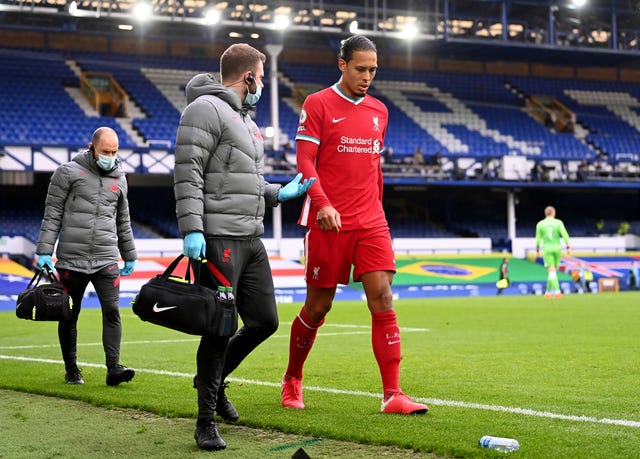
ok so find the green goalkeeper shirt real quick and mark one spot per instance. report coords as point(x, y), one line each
point(550, 231)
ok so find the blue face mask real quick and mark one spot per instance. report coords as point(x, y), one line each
point(106, 163)
point(253, 99)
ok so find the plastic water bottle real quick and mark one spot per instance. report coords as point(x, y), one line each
point(221, 293)
point(230, 297)
point(229, 319)
point(505, 445)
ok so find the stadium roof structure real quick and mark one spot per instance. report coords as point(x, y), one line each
point(611, 26)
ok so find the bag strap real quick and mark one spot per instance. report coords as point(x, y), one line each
point(172, 266)
point(37, 277)
point(218, 275)
point(194, 265)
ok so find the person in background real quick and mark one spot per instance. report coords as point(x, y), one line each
point(503, 282)
point(436, 162)
point(549, 232)
point(623, 228)
point(340, 136)
point(633, 279)
point(418, 160)
point(221, 197)
point(87, 211)
point(388, 155)
point(582, 277)
point(288, 151)
point(582, 173)
point(586, 277)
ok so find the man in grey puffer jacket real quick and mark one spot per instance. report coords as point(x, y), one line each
point(88, 210)
point(221, 197)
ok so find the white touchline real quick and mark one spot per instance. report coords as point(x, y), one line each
point(368, 327)
point(159, 341)
point(430, 401)
point(192, 340)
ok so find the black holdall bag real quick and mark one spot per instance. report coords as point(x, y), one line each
point(45, 300)
point(177, 303)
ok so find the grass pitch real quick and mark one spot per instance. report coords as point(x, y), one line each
point(561, 376)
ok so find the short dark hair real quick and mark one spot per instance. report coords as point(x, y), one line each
point(355, 43)
point(239, 58)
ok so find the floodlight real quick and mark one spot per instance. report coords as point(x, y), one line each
point(409, 31)
point(281, 21)
point(142, 11)
point(212, 16)
point(73, 8)
point(353, 27)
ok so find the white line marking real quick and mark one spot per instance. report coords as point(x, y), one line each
point(368, 327)
point(430, 401)
point(160, 341)
point(194, 340)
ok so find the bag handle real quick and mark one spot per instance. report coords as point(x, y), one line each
point(37, 277)
point(195, 266)
point(172, 266)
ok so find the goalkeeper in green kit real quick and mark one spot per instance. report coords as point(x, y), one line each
point(549, 231)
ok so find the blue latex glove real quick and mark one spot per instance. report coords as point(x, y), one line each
point(44, 260)
point(129, 266)
point(294, 188)
point(194, 245)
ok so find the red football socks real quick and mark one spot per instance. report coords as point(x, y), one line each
point(303, 335)
point(385, 339)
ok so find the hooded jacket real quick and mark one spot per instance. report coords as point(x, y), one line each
point(89, 211)
point(219, 164)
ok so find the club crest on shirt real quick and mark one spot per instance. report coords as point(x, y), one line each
point(376, 124)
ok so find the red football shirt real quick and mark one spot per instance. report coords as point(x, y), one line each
point(339, 142)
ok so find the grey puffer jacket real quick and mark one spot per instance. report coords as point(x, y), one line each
point(89, 211)
point(219, 163)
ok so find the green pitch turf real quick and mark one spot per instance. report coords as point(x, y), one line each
point(561, 376)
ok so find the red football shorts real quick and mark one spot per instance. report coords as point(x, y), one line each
point(329, 256)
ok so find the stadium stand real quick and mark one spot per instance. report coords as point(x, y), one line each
point(472, 120)
point(455, 114)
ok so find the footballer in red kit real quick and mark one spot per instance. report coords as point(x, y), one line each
point(340, 136)
point(346, 137)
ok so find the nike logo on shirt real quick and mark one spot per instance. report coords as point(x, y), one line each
point(157, 309)
point(337, 120)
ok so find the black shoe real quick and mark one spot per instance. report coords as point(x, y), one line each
point(118, 374)
point(73, 377)
point(224, 407)
point(207, 436)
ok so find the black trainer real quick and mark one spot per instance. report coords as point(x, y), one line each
point(118, 374)
point(224, 407)
point(207, 436)
point(73, 377)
